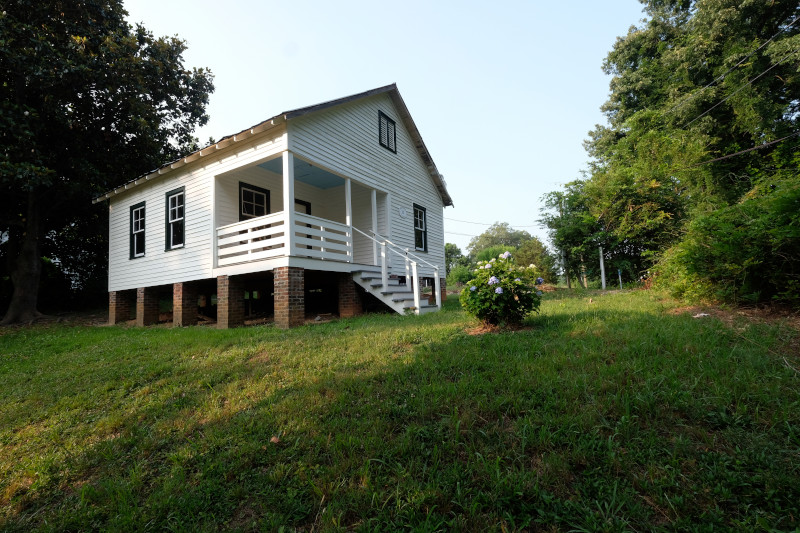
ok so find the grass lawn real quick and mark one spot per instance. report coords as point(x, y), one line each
point(616, 414)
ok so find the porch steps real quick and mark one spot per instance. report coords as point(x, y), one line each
point(397, 296)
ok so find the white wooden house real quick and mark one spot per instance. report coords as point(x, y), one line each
point(293, 213)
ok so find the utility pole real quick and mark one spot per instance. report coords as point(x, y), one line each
point(602, 270)
point(563, 251)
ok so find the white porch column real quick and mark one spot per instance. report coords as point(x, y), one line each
point(374, 201)
point(288, 201)
point(348, 217)
point(389, 223)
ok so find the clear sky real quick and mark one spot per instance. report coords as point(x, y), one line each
point(504, 93)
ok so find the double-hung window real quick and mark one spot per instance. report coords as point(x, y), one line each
point(253, 201)
point(387, 132)
point(175, 229)
point(137, 230)
point(420, 229)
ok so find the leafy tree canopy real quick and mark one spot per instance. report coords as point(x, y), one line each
point(499, 233)
point(702, 116)
point(453, 257)
point(87, 101)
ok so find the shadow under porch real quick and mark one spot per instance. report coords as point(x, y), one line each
point(287, 296)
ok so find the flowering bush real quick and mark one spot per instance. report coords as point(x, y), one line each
point(501, 293)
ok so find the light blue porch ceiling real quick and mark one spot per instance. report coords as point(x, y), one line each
point(305, 173)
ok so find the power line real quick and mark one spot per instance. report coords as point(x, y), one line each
point(707, 111)
point(492, 224)
point(461, 234)
point(740, 152)
point(722, 76)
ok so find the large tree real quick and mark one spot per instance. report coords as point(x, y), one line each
point(499, 233)
point(86, 101)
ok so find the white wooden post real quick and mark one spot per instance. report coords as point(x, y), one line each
point(214, 237)
point(288, 201)
point(408, 270)
point(389, 222)
point(602, 269)
point(374, 201)
point(322, 240)
point(437, 286)
point(384, 267)
point(348, 218)
point(415, 285)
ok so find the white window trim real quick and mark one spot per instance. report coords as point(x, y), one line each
point(137, 221)
point(423, 229)
point(171, 220)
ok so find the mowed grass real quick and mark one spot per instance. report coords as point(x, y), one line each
point(610, 415)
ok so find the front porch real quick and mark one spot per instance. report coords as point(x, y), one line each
point(287, 207)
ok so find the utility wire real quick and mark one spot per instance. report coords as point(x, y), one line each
point(720, 77)
point(740, 152)
point(707, 111)
point(492, 224)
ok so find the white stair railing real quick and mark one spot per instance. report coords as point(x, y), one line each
point(411, 264)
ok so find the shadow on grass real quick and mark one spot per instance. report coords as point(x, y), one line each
point(599, 417)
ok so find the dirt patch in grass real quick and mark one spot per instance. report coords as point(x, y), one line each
point(79, 318)
point(736, 317)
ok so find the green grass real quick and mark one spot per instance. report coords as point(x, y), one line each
point(606, 416)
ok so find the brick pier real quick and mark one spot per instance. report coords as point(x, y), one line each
point(290, 308)
point(184, 304)
point(349, 298)
point(146, 306)
point(121, 306)
point(230, 302)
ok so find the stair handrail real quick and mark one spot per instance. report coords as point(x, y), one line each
point(405, 254)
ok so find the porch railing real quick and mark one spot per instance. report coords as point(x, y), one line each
point(266, 237)
point(322, 239)
point(411, 263)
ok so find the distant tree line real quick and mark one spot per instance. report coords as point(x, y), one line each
point(695, 178)
point(497, 239)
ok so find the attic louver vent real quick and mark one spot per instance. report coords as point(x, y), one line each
point(387, 132)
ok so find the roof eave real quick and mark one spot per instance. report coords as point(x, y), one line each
point(194, 156)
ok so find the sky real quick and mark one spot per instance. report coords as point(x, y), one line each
point(503, 93)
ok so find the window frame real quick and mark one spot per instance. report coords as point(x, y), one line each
point(256, 189)
point(133, 232)
point(168, 245)
point(423, 231)
point(391, 132)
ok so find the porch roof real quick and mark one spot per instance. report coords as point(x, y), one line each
point(281, 118)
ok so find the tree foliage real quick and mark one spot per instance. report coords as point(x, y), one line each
point(87, 101)
point(695, 83)
point(534, 252)
point(453, 257)
point(499, 233)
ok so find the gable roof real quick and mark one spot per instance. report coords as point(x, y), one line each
point(281, 118)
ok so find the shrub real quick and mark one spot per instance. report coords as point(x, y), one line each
point(459, 275)
point(501, 293)
point(747, 252)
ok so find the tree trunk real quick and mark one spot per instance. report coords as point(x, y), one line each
point(27, 269)
point(583, 273)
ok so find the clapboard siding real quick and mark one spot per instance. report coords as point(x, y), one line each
point(195, 259)
point(345, 140)
point(342, 139)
